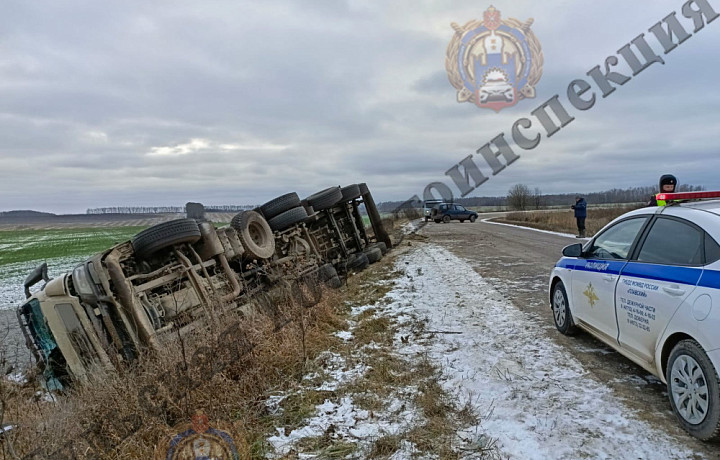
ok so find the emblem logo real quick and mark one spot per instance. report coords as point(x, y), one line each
point(495, 62)
point(200, 441)
point(590, 294)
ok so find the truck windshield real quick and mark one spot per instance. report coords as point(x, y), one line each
point(33, 322)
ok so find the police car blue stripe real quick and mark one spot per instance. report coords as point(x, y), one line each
point(668, 273)
point(710, 279)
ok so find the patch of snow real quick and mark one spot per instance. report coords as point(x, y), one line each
point(539, 401)
point(344, 335)
point(412, 226)
point(535, 400)
point(17, 377)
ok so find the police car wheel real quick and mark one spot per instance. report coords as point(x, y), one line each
point(561, 310)
point(694, 390)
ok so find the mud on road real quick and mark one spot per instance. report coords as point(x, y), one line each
point(517, 262)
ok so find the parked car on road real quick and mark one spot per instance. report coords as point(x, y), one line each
point(445, 212)
point(646, 285)
point(428, 206)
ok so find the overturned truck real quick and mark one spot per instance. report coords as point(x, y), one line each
point(138, 294)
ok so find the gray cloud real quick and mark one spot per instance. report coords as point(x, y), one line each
point(246, 100)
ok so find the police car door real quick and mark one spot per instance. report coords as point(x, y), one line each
point(665, 270)
point(596, 275)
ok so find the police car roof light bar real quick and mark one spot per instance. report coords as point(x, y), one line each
point(687, 195)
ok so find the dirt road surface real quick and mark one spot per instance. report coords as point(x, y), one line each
point(517, 262)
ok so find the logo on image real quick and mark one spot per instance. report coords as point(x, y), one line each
point(200, 441)
point(495, 62)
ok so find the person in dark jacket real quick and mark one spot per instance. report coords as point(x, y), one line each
point(668, 182)
point(580, 208)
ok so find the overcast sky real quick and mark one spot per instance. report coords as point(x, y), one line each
point(235, 102)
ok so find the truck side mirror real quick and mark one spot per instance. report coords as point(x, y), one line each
point(40, 273)
point(573, 250)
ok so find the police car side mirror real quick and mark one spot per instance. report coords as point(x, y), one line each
point(573, 250)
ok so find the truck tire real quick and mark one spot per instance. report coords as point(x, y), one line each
point(350, 192)
point(279, 205)
point(373, 254)
point(334, 283)
point(288, 218)
point(325, 198)
point(164, 235)
point(446, 219)
point(381, 245)
point(357, 262)
point(326, 272)
point(255, 234)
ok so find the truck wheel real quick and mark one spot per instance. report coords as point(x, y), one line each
point(357, 262)
point(473, 218)
point(279, 205)
point(373, 254)
point(334, 283)
point(350, 192)
point(446, 219)
point(694, 390)
point(255, 234)
point(288, 218)
point(326, 272)
point(381, 245)
point(325, 198)
point(164, 235)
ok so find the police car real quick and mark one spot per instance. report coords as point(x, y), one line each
point(648, 285)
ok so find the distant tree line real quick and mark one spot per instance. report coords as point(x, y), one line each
point(520, 196)
point(164, 209)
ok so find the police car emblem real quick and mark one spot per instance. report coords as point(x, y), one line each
point(495, 62)
point(590, 294)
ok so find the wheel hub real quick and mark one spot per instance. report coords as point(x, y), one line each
point(689, 389)
point(559, 307)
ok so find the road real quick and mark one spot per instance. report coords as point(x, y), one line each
point(517, 262)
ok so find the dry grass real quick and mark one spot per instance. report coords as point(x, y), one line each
point(127, 414)
point(564, 221)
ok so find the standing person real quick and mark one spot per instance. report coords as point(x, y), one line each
point(580, 208)
point(668, 182)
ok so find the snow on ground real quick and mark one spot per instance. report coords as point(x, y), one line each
point(534, 398)
point(12, 277)
point(569, 235)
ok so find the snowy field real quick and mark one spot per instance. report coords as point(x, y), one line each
point(12, 277)
point(534, 399)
